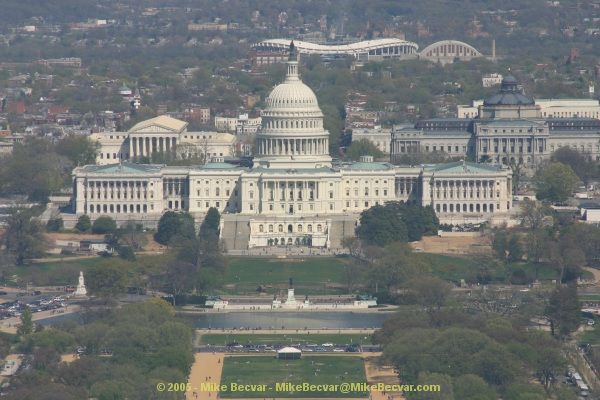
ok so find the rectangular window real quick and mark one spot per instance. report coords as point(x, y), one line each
point(366, 204)
point(347, 204)
point(207, 204)
point(217, 204)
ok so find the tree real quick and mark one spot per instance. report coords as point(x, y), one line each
point(396, 266)
point(555, 183)
point(581, 163)
point(84, 224)
point(178, 276)
point(484, 267)
point(104, 225)
point(173, 224)
point(564, 309)
point(55, 224)
point(507, 246)
point(472, 387)
point(380, 226)
point(211, 224)
point(26, 326)
point(363, 147)
point(80, 150)
point(535, 244)
point(396, 222)
point(534, 214)
point(353, 274)
point(24, 235)
point(108, 279)
point(431, 292)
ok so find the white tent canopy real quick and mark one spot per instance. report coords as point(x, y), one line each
point(289, 350)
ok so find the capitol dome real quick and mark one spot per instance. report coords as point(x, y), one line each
point(293, 94)
point(292, 133)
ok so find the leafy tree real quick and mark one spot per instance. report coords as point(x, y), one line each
point(484, 267)
point(104, 225)
point(555, 183)
point(55, 225)
point(24, 236)
point(472, 387)
point(396, 222)
point(564, 309)
point(27, 325)
point(548, 364)
point(363, 147)
point(581, 163)
point(80, 150)
point(107, 279)
point(507, 246)
point(431, 292)
point(427, 378)
point(84, 224)
point(210, 225)
point(175, 225)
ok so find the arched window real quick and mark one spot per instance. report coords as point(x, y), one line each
point(319, 228)
point(271, 228)
point(251, 194)
point(366, 191)
point(217, 192)
point(290, 228)
point(309, 227)
point(280, 228)
point(261, 228)
point(299, 228)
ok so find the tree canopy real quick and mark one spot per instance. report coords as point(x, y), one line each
point(555, 183)
point(396, 222)
point(173, 225)
point(363, 147)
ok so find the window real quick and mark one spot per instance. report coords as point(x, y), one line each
point(366, 191)
point(217, 204)
point(319, 228)
point(261, 228)
point(217, 192)
point(207, 204)
point(251, 194)
point(309, 228)
point(279, 228)
point(271, 228)
point(331, 195)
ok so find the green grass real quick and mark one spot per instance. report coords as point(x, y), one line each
point(59, 273)
point(447, 267)
point(267, 370)
point(269, 339)
point(312, 275)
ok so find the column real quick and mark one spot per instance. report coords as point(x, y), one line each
point(132, 149)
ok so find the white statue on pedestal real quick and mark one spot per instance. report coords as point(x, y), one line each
point(81, 290)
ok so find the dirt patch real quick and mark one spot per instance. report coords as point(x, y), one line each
point(450, 245)
point(377, 373)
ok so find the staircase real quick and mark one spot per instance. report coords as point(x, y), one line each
point(235, 232)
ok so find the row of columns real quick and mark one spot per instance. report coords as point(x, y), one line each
point(451, 189)
point(294, 190)
point(465, 208)
point(145, 146)
point(293, 146)
point(116, 208)
point(405, 186)
point(512, 145)
point(117, 189)
point(175, 186)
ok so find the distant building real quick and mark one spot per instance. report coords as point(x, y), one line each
point(240, 125)
point(490, 80)
point(448, 51)
point(507, 127)
point(381, 138)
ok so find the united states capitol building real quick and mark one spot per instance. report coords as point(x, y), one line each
point(293, 194)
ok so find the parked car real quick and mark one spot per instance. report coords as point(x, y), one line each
point(253, 350)
point(3, 293)
point(328, 344)
point(307, 349)
point(320, 350)
point(339, 350)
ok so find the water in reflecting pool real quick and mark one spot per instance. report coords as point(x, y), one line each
point(291, 320)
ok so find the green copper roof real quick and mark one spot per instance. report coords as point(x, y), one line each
point(123, 168)
point(460, 166)
point(368, 166)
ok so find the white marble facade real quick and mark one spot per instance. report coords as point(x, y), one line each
point(293, 190)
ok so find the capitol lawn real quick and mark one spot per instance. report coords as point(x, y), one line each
point(267, 370)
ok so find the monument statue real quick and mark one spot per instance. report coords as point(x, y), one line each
point(81, 291)
point(292, 52)
point(291, 282)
